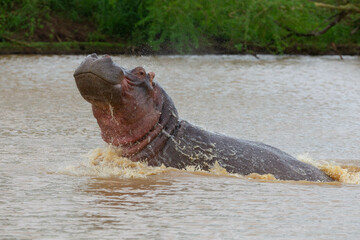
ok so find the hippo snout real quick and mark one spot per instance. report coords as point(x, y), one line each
point(103, 67)
point(99, 79)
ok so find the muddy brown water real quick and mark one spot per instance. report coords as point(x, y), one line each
point(306, 106)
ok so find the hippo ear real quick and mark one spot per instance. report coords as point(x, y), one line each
point(151, 77)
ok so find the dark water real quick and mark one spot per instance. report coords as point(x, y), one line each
point(302, 105)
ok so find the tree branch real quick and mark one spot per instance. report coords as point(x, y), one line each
point(337, 19)
point(347, 7)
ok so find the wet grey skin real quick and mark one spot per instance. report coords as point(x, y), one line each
point(133, 95)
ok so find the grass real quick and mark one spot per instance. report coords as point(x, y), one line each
point(63, 47)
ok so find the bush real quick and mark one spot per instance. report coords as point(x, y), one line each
point(184, 25)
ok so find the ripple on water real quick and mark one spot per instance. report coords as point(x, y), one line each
point(296, 103)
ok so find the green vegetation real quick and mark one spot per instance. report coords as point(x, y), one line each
point(180, 26)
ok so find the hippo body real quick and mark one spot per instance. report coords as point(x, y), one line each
point(190, 145)
point(135, 113)
point(183, 145)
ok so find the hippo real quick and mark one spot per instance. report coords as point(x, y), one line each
point(135, 113)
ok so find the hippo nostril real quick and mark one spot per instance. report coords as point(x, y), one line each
point(94, 55)
point(105, 58)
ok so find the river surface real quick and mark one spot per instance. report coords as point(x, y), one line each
point(306, 106)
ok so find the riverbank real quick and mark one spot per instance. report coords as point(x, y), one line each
point(121, 48)
point(179, 27)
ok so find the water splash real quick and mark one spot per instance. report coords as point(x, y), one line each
point(107, 162)
point(341, 173)
point(111, 109)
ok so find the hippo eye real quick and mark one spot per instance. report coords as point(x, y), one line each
point(139, 72)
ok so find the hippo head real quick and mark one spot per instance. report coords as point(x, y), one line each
point(126, 103)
